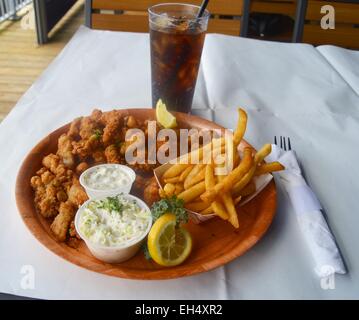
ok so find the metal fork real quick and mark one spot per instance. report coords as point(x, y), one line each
point(283, 143)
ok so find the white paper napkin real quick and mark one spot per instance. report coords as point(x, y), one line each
point(309, 215)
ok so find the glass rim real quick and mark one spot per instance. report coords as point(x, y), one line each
point(205, 15)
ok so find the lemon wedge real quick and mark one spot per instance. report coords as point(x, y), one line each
point(168, 245)
point(166, 119)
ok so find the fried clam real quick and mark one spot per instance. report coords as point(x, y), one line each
point(45, 198)
point(64, 150)
point(74, 131)
point(77, 195)
point(62, 221)
point(84, 148)
point(112, 154)
point(112, 131)
point(81, 167)
point(151, 191)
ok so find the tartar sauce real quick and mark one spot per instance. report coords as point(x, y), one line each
point(113, 221)
point(106, 177)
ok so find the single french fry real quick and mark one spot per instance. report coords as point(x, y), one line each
point(175, 170)
point(198, 199)
point(197, 206)
point(229, 181)
point(262, 153)
point(269, 167)
point(178, 188)
point(192, 192)
point(197, 178)
point(237, 200)
point(208, 210)
point(258, 158)
point(241, 127)
point(239, 185)
point(229, 205)
point(237, 160)
point(209, 177)
point(191, 176)
point(227, 156)
point(219, 210)
point(248, 189)
point(185, 173)
point(171, 180)
point(217, 207)
point(230, 208)
point(169, 189)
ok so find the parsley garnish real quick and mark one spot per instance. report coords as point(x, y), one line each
point(111, 204)
point(97, 133)
point(171, 205)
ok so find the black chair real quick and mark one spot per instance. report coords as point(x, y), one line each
point(298, 24)
point(47, 14)
point(245, 18)
point(299, 20)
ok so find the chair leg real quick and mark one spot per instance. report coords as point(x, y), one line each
point(41, 22)
point(299, 20)
point(245, 18)
point(88, 11)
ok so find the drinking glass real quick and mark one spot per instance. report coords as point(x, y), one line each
point(176, 41)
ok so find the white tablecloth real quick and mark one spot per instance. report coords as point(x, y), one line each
point(295, 90)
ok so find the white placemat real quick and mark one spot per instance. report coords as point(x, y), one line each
point(287, 89)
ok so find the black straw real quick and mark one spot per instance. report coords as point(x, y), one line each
point(203, 8)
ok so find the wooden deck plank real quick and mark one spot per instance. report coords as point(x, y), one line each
point(22, 60)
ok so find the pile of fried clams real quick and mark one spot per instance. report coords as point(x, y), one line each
point(98, 138)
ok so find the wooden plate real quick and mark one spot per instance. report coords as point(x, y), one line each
point(215, 242)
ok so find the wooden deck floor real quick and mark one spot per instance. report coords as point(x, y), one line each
point(22, 60)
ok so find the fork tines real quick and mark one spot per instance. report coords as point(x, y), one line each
point(284, 143)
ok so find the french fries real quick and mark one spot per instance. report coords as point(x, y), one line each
point(237, 200)
point(169, 189)
point(241, 127)
point(228, 182)
point(244, 181)
point(219, 209)
point(185, 173)
point(232, 212)
point(230, 207)
point(197, 206)
point(192, 192)
point(197, 155)
point(262, 153)
point(175, 170)
point(248, 189)
point(268, 167)
point(171, 180)
point(194, 177)
point(178, 188)
point(217, 206)
point(258, 158)
point(208, 210)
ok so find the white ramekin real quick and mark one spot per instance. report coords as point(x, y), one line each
point(115, 254)
point(94, 193)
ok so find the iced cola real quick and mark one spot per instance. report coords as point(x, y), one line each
point(176, 40)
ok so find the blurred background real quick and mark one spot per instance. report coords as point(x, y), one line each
point(33, 32)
